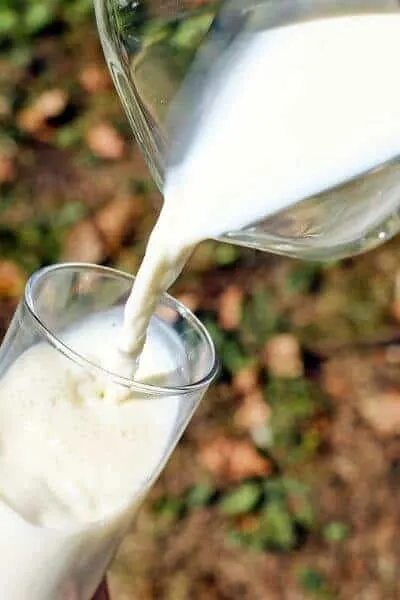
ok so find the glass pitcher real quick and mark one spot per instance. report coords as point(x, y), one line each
point(152, 47)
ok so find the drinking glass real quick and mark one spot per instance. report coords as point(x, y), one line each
point(153, 47)
point(68, 563)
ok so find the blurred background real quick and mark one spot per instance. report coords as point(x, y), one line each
point(286, 485)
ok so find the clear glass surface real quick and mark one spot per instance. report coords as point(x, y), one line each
point(151, 46)
point(68, 563)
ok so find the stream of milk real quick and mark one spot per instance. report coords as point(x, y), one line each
point(286, 114)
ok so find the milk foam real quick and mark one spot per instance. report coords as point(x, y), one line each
point(73, 467)
point(286, 114)
point(76, 450)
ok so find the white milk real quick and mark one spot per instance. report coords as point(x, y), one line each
point(72, 466)
point(286, 114)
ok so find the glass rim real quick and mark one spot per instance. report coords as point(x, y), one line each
point(59, 345)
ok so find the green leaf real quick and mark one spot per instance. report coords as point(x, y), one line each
point(30, 236)
point(295, 486)
point(278, 526)
point(293, 403)
point(199, 495)
point(155, 31)
point(246, 540)
point(8, 21)
point(275, 489)
point(68, 136)
point(260, 320)
point(311, 580)
point(20, 55)
point(302, 277)
point(169, 508)
point(78, 10)
point(303, 511)
point(192, 30)
point(226, 254)
point(335, 532)
point(232, 355)
point(37, 16)
point(299, 500)
point(242, 500)
point(70, 213)
point(215, 332)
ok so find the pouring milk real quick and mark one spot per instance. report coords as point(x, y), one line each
point(287, 114)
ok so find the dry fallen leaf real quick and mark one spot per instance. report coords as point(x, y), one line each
point(49, 104)
point(395, 307)
point(253, 411)
point(395, 310)
point(12, 279)
point(5, 106)
point(29, 120)
point(202, 258)
point(230, 308)
point(190, 300)
point(7, 169)
point(233, 459)
point(128, 261)
point(105, 141)
point(382, 413)
point(84, 243)
point(282, 356)
point(248, 523)
point(117, 219)
point(335, 381)
point(245, 380)
point(94, 78)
